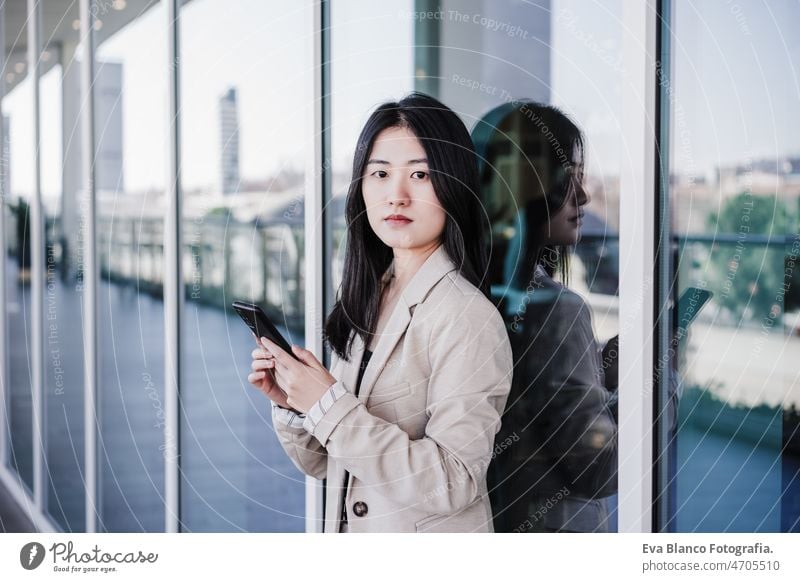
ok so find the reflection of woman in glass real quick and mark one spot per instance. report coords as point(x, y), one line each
point(403, 425)
point(555, 458)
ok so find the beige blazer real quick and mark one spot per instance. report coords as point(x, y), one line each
point(418, 438)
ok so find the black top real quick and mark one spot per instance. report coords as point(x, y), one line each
point(362, 368)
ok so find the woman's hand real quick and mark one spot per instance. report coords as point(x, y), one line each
point(303, 381)
point(263, 375)
point(610, 363)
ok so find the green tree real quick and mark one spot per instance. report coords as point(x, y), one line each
point(749, 274)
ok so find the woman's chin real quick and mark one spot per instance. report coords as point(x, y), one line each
point(574, 238)
point(565, 241)
point(398, 240)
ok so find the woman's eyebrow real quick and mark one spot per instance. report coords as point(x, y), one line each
point(409, 162)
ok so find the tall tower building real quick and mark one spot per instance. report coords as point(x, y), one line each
point(229, 142)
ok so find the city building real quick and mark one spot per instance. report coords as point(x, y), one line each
point(229, 142)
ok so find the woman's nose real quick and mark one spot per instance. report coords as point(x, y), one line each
point(399, 195)
point(583, 195)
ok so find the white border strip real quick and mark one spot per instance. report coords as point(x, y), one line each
point(173, 284)
point(37, 268)
point(314, 248)
point(638, 198)
point(91, 424)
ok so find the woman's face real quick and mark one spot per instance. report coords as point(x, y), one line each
point(564, 226)
point(402, 207)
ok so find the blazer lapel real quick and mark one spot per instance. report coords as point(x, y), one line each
point(394, 330)
point(431, 272)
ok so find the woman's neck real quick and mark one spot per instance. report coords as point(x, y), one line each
point(407, 262)
point(405, 265)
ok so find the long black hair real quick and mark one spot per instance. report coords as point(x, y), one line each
point(548, 140)
point(454, 175)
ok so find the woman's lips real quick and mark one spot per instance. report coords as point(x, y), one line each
point(577, 219)
point(398, 221)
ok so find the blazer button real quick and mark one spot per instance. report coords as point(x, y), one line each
point(360, 508)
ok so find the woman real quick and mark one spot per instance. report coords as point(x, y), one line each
point(403, 424)
point(555, 459)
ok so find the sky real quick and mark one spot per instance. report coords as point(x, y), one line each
point(736, 78)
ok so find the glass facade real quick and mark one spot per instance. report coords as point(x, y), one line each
point(539, 86)
point(62, 189)
point(243, 181)
point(729, 458)
point(132, 138)
point(485, 60)
point(18, 117)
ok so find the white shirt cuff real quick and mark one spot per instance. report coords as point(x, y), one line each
point(288, 417)
point(323, 405)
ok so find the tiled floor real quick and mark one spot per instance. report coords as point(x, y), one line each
point(235, 475)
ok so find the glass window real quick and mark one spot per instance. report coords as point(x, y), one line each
point(132, 146)
point(18, 117)
point(244, 150)
point(729, 450)
point(365, 36)
point(486, 60)
point(62, 191)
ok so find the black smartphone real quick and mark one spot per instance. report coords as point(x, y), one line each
point(260, 324)
point(691, 301)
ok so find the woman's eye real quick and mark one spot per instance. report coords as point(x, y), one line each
point(419, 175)
point(380, 173)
